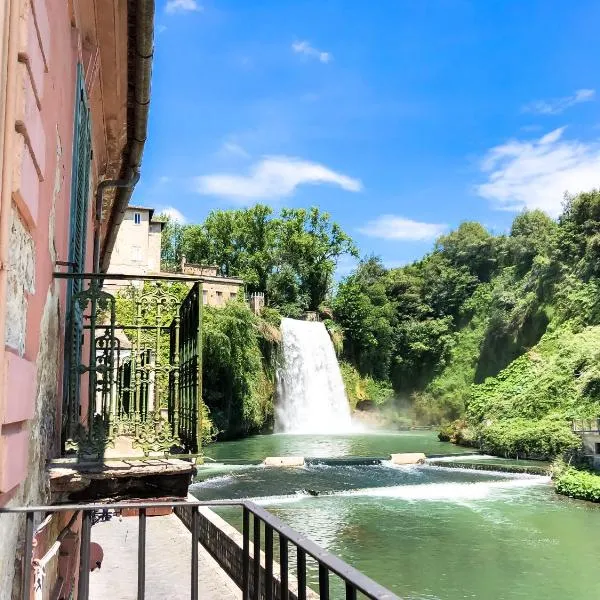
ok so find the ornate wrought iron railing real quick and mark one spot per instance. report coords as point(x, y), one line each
point(256, 580)
point(133, 364)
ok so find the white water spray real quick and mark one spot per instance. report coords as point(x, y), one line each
point(310, 389)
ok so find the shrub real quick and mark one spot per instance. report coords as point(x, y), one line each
point(575, 483)
point(524, 438)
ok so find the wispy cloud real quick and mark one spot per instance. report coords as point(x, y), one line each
point(536, 174)
point(394, 227)
point(233, 149)
point(555, 106)
point(273, 177)
point(305, 48)
point(181, 6)
point(172, 213)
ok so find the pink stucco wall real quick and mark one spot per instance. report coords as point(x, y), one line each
point(39, 154)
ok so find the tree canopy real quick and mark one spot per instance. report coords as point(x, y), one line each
point(292, 256)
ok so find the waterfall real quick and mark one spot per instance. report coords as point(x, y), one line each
point(310, 390)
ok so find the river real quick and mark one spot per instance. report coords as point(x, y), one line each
point(424, 532)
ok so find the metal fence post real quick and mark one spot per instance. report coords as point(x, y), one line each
point(83, 589)
point(141, 554)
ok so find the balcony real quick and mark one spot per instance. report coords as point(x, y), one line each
point(132, 403)
point(133, 367)
point(290, 567)
point(586, 425)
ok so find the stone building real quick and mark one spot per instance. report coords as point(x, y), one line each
point(137, 246)
point(74, 100)
point(137, 252)
point(589, 431)
point(216, 289)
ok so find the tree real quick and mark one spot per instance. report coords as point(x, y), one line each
point(532, 233)
point(171, 242)
point(310, 243)
point(471, 246)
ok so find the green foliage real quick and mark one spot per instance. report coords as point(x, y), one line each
point(499, 335)
point(364, 390)
point(236, 385)
point(559, 376)
point(576, 483)
point(526, 438)
point(365, 314)
point(336, 333)
point(291, 257)
point(171, 243)
point(238, 378)
point(473, 247)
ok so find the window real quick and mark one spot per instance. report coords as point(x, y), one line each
point(80, 195)
point(219, 298)
point(136, 253)
point(597, 448)
point(204, 296)
point(80, 179)
point(232, 296)
point(137, 218)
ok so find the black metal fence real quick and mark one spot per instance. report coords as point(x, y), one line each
point(257, 579)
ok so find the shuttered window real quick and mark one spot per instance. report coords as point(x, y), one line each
point(80, 178)
point(80, 196)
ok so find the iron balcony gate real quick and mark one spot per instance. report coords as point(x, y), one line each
point(134, 366)
point(185, 381)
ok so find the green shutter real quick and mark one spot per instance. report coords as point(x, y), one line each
point(80, 179)
point(80, 188)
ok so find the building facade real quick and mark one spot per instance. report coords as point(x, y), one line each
point(137, 247)
point(74, 92)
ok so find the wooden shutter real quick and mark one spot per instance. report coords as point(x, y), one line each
point(80, 179)
point(80, 192)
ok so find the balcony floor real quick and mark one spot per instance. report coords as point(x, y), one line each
point(168, 551)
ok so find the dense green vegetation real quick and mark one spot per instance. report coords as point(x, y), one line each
point(576, 483)
point(497, 334)
point(292, 257)
point(494, 337)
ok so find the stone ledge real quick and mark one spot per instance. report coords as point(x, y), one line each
point(114, 480)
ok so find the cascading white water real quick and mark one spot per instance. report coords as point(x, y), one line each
point(310, 390)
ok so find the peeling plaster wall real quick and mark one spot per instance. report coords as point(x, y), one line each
point(21, 282)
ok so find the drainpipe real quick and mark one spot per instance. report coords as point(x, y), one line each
point(143, 54)
point(103, 185)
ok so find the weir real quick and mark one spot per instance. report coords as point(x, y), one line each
point(310, 390)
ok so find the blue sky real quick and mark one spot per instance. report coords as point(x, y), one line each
point(401, 118)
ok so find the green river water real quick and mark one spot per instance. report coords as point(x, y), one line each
point(424, 532)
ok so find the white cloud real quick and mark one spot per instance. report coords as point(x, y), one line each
point(536, 174)
point(273, 177)
point(175, 6)
point(394, 227)
point(305, 48)
point(172, 213)
point(233, 149)
point(558, 105)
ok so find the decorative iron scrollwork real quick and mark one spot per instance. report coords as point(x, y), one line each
point(154, 435)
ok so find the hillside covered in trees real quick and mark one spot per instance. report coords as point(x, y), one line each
point(494, 337)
